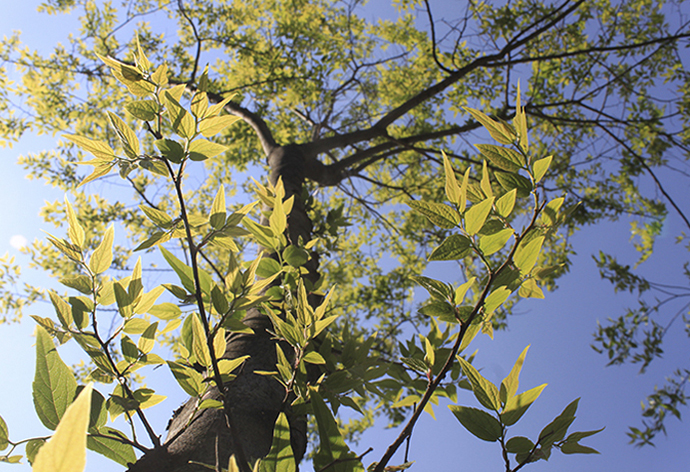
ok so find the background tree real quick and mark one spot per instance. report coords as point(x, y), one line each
point(358, 111)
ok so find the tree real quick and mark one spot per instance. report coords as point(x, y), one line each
point(359, 112)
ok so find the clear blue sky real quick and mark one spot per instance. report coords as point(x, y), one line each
point(559, 330)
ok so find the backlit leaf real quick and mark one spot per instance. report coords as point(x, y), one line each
point(517, 405)
point(201, 149)
point(214, 125)
point(66, 450)
point(438, 213)
point(504, 158)
point(102, 256)
point(485, 391)
point(476, 216)
point(527, 253)
point(54, 385)
point(500, 131)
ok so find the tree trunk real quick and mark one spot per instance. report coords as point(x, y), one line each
point(254, 400)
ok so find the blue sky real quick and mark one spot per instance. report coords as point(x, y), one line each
point(559, 330)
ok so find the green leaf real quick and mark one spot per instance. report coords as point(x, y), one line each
point(530, 289)
point(540, 167)
point(226, 366)
point(183, 271)
point(442, 310)
point(463, 191)
point(4, 435)
point(332, 451)
point(104, 442)
point(439, 214)
point(145, 110)
point(509, 385)
point(183, 123)
point(476, 216)
point(575, 448)
point(493, 243)
point(268, 267)
point(314, 357)
point(295, 255)
point(527, 253)
point(505, 204)
point(54, 385)
point(504, 158)
point(478, 422)
point(496, 299)
point(436, 289)
point(62, 308)
point(148, 338)
point(555, 431)
point(262, 234)
point(514, 181)
point(130, 142)
point(66, 450)
point(201, 149)
point(171, 150)
point(280, 458)
point(75, 231)
point(218, 211)
point(32, 448)
point(452, 187)
point(199, 346)
point(165, 311)
point(575, 437)
point(124, 301)
point(99, 149)
point(215, 124)
point(485, 391)
point(520, 121)
point(455, 247)
point(191, 381)
point(517, 405)
point(499, 130)
point(519, 444)
point(102, 256)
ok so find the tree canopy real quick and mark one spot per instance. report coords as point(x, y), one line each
point(357, 129)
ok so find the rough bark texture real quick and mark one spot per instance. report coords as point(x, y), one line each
point(254, 400)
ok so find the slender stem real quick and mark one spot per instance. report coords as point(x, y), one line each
point(407, 430)
point(217, 377)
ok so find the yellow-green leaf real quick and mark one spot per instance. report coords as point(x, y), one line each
point(452, 187)
point(99, 149)
point(54, 385)
point(215, 124)
point(499, 130)
point(485, 391)
point(102, 257)
point(202, 149)
point(540, 167)
point(130, 142)
point(218, 212)
point(510, 384)
point(527, 254)
point(66, 450)
point(75, 231)
point(517, 405)
point(476, 216)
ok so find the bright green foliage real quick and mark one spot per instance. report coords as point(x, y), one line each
point(323, 76)
point(66, 450)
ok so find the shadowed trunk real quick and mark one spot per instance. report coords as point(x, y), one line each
point(254, 400)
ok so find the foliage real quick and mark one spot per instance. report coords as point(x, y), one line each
point(367, 107)
point(483, 227)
